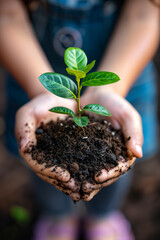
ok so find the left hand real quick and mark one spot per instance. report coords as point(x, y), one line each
point(28, 118)
point(124, 116)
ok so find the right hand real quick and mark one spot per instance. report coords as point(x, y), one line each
point(123, 116)
point(28, 119)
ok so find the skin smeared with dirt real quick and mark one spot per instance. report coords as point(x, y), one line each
point(84, 152)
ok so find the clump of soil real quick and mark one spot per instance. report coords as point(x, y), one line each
point(82, 151)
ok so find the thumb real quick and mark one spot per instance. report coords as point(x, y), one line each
point(25, 128)
point(132, 130)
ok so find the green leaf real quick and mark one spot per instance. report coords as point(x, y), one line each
point(96, 108)
point(62, 110)
point(81, 121)
point(89, 67)
point(59, 85)
point(79, 74)
point(20, 214)
point(75, 58)
point(99, 78)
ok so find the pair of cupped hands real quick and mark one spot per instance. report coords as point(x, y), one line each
point(124, 116)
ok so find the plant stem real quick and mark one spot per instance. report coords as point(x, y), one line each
point(78, 98)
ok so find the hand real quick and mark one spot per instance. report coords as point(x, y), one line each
point(28, 118)
point(124, 116)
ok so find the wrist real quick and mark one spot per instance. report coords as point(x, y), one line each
point(116, 88)
point(121, 87)
point(32, 93)
point(37, 88)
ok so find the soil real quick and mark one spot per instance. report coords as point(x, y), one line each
point(84, 152)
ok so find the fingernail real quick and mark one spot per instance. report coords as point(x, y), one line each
point(116, 125)
point(139, 150)
point(22, 143)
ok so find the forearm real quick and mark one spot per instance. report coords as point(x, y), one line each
point(133, 44)
point(20, 51)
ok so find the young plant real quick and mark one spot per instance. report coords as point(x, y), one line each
point(63, 86)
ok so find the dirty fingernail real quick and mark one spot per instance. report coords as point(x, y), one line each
point(139, 150)
point(101, 176)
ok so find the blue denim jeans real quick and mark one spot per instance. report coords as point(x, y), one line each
point(89, 28)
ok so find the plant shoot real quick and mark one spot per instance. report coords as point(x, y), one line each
point(63, 86)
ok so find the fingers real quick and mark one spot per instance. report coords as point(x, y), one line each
point(125, 115)
point(105, 175)
point(122, 167)
point(132, 129)
point(74, 195)
point(131, 125)
point(28, 118)
point(48, 179)
point(87, 196)
point(115, 172)
point(53, 172)
point(55, 176)
point(25, 128)
point(71, 184)
point(109, 182)
point(132, 161)
point(115, 124)
point(88, 187)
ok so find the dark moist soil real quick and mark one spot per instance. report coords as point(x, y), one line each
point(82, 151)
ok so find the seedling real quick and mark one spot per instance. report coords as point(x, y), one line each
point(63, 86)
